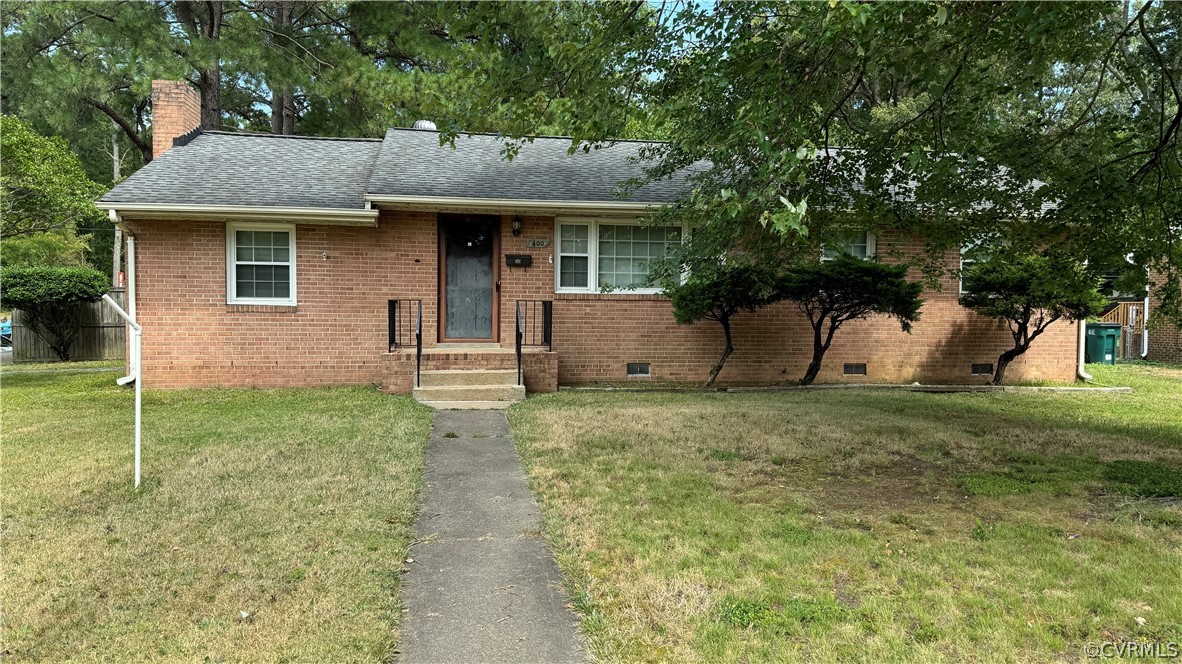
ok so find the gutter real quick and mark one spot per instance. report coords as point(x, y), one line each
point(524, 204)
point(328, 216)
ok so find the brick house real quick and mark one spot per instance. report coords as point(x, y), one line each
point(1165, 338)
point(266, 260)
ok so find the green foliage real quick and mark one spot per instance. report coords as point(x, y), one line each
point(1029, 292)
point(42, 184)
point(720, 291)
point(1145, 478)
point(1021, 288)
point(936, 120)
point(833, 292)
point(54, 249)
point(717, 291)
point(787, 617)
point(48, 298)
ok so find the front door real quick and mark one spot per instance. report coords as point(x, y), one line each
point(468, 275)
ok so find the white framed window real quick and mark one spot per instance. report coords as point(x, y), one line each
point(599, 254)
point(260, 264)
point(965, 263)
point(859, 245)
point(971, 254)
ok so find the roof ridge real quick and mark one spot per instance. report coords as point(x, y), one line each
point(497, 135)
point(261, 134)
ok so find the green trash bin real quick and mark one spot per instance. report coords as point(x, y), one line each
point(1100, 347)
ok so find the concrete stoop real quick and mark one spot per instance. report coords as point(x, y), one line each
point(466, 389)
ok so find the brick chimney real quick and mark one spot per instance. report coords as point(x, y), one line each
point(176, 110)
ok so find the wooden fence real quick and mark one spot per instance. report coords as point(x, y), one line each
point(103, 335)
point(1131, 316)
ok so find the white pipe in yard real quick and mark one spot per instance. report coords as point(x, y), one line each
point(1145, 329)
point(1083, 339)
point(136, 348)
point(131, 290)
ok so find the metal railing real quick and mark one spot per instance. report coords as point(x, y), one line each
point(404, 322)
point(535, 327)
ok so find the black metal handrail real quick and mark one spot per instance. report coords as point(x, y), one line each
point(531, 331)
point(404, 319)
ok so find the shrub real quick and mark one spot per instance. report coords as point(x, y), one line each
point(717, 292)
point(1029, 292)
point(49, 299)
point(834, 292)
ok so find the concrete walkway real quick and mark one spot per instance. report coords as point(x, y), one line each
point(483, 586)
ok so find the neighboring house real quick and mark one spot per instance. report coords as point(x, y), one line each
point(280, 260)
point(1165, 338)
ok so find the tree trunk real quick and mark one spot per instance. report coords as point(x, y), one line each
point(1003, 361)
point(116, 175)
point(730, 348)
point(819, 349)
point(203, 21)
point(282, 96)
point(209, 83)
point(283, 112)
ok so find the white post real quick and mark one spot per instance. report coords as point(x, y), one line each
point(136, 349)
point(139, 343)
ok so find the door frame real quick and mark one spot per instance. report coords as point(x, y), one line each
point(442, 220)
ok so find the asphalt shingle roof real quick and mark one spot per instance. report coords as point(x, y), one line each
point(223, 168)
point(412, 163)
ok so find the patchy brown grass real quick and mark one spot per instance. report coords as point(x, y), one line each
point(862, 526)
point(271, 524)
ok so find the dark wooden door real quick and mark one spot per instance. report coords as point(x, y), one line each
point(468, 245)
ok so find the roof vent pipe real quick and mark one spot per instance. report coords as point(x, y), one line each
point(425, 124)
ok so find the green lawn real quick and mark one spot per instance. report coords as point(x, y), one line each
point(865, 525)
point(271, 524)
point(87, 365)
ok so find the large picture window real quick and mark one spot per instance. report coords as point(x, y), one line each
point(260, 261)
point(602, 255)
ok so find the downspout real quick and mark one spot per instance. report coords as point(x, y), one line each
point(1081, 356)
point(133, 366)
point(1145, 330)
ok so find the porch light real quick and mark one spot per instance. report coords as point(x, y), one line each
point(516, 225)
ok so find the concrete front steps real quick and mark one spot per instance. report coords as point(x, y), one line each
point(469, 388)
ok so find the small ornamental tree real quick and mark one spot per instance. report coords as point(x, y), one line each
point(48, 298)
point(717, 293)
point(831, 293)
point(1029, 292)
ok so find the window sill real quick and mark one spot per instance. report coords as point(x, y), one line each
point(261, 308)
point(610, 296)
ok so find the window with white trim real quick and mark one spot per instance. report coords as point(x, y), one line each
point(858, 245)
point(965, 263)
point(971, 254)
point(260, 264)
point(595, 255)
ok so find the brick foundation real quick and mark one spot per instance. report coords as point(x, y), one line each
point(337, 332)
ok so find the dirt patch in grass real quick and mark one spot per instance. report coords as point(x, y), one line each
point(864, 526)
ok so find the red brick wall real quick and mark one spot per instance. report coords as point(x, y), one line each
point(337, 332)
point(1165, 339)
point(176, 110)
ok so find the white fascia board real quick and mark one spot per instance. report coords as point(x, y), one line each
point(328, 216)
point(511, 204)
